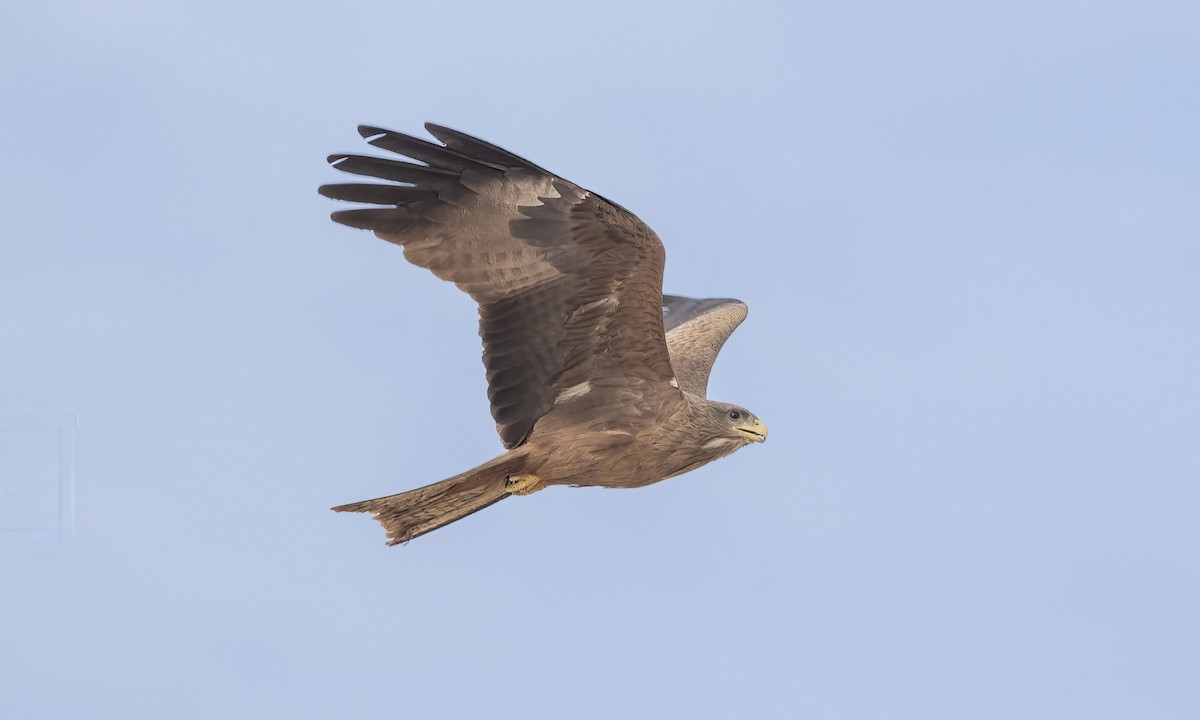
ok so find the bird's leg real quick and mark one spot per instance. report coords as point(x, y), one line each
point(522, 484)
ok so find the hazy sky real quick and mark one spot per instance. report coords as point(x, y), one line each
point(969, 236)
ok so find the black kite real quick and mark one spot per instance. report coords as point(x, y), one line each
point(594, 376)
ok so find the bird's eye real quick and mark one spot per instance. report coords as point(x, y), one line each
point(735, 415)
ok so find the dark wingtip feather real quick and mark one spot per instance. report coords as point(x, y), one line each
point(382, 220)
point(394, 170)
point(459, 140)
point(369, 131)
point(481, 150)
point(376, 193)
point(343, 217)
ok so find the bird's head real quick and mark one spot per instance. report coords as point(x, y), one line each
point(739, 422)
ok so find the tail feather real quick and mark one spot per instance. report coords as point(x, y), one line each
point(410, 514)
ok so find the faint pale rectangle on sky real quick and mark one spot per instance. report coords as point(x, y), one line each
point(36, 478)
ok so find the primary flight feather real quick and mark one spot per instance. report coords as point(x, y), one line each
point(594, 376)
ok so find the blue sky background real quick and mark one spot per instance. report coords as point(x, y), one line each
point(968, 236)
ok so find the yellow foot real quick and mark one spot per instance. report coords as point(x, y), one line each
point(523, 484)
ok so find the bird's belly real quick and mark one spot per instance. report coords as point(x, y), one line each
point(615, 460)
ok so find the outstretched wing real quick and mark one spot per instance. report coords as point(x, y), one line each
point(569, 285)
point(696, 330)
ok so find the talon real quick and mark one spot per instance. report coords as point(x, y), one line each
point(523, 484)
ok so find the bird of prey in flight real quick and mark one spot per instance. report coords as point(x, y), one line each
point(595, 377)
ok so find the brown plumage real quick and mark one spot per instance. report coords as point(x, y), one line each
point(588, 384)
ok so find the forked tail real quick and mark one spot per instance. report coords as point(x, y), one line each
point(416, 512)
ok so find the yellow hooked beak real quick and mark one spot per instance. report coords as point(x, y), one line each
point(757, 431)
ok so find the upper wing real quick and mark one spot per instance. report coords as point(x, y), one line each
point(696, 330)
point(568, 284)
